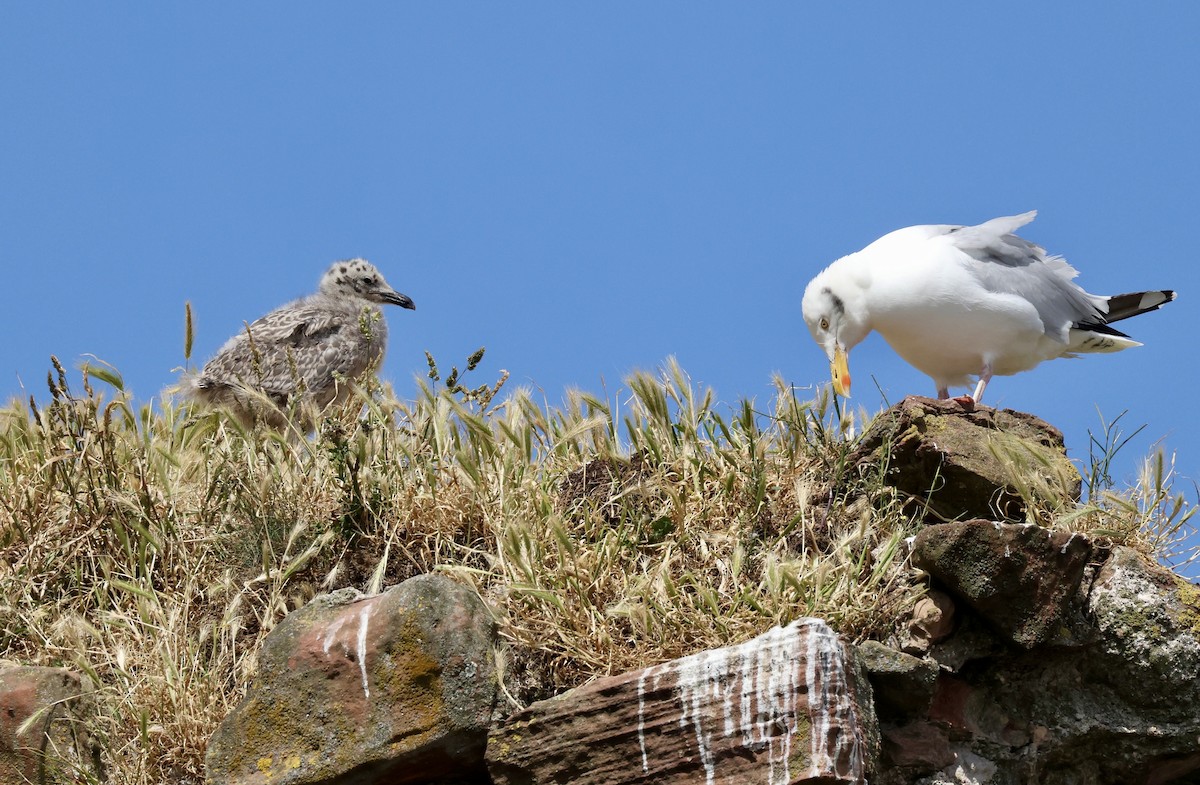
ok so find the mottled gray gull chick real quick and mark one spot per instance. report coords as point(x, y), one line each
point(304, 353)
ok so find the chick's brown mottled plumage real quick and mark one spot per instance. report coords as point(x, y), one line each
point(303, 353)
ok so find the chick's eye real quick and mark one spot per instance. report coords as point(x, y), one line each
point(368, 280)
point(824, 323)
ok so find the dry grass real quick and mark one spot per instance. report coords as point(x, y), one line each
point(154, 548)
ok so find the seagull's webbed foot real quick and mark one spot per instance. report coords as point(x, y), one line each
point(965, 401)
point(968, 402)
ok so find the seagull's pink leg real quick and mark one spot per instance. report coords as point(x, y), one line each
point(985, 376)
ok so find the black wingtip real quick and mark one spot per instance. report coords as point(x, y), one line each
point(1123, 306)
point(1100, 328)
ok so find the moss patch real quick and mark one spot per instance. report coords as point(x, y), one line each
point(1188, 615)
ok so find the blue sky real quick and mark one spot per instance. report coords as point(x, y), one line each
point(587, 189)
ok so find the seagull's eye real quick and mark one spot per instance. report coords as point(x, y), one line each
point(368, 280)
point(824, 323)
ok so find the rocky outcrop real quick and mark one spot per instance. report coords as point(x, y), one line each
point(1033, 658)
point(1119, 706)
point(786, 707)
point(1149, 623)
point(904, 684)
point(398, 688)
point(967, 464)
point(1083, 675)
point(1019, 577)
point(44, 716)
point(1056, 663)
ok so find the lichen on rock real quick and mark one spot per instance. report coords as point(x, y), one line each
point(1147, 616)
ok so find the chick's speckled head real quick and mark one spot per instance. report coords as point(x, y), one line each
point(358, 278)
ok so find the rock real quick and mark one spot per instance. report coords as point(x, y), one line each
point(932, 622)
point(972, 640)
point(1019, 577)
point(901, 684)
point(1120, 707)
point(967, 711)
point(968, 769)
point(965, 464)
point(397, 687)
point(789, 706)
point(920, 747)
point(56, 746)
point(1059, 717)
point(1150, 622)
point(1172, 770)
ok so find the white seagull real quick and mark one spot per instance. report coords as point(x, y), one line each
point(958, 302)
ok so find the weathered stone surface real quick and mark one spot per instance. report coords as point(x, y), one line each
point(1059, 717)
point(786, 707)
point(1121, 707)
point(902, 684)
point(395, 688)
point(966, 711)
point(1150, 622)
point(932, 621)
point(920, 747)
point(968, 768)
point(963, 462)
point(55, 747)
point(973, 639)
point(1021, 578)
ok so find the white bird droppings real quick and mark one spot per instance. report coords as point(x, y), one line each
point(364, 617)
point(757, 696)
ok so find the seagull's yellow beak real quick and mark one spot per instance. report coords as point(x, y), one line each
point(839, 370)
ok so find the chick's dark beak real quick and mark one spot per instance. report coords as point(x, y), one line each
point(395, 298)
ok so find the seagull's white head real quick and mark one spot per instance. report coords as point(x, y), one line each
point(358, 278)
point(835, 311)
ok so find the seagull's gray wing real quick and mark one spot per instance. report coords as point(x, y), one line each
point(1008, 264)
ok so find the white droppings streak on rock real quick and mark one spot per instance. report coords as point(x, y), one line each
point(730, 680)
point(642, 719)
point(746, 672)
point(779, 652)
point(817, 731)
point(330, 634)
point(765, 673)
point(827, 682)
point(364, 617)
point(1063, 551)
point(642, 714)
point(698, 683)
